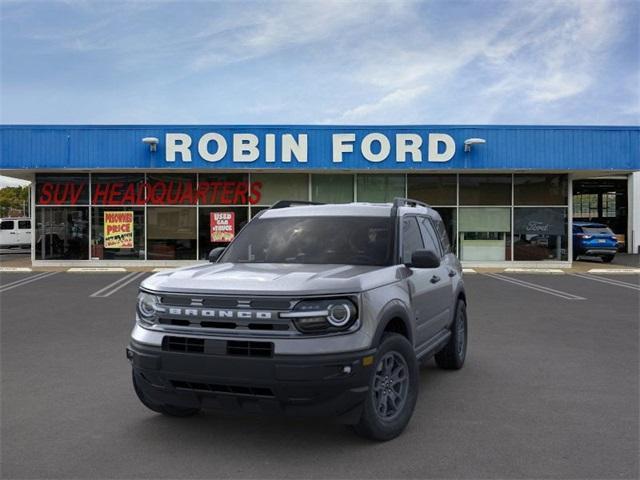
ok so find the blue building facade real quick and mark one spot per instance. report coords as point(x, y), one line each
point(170, 193)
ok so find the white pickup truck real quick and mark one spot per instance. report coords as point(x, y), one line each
point(15, 232)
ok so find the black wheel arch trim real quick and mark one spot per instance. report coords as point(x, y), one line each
point(391, 311)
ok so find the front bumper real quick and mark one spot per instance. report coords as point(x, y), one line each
point(312, 385)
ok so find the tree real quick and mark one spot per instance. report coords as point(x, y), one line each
point(14, 200)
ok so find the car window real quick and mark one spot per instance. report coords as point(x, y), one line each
point(431, 241)
point(6, 225)
point(24, 224)
point(411, 238)
point(593, 230)
point(442, 233)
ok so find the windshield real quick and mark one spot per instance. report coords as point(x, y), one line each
point(337, 240)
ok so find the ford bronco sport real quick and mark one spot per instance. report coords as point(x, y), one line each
point(312, 309)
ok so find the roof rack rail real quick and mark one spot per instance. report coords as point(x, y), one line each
point(292, 203)
point(408, 202)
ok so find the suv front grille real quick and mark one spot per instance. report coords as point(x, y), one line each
point(227, 302)
point(280, 326)
point(250, 349)
point(217, 347)
point(183, 344)
point(231, 314)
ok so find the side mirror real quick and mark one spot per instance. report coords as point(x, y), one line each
point(424, 259)
point(215, 254)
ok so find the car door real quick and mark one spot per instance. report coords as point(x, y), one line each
point(421, 286)
point(442, 302)
point(8, 234)
point(24, 232)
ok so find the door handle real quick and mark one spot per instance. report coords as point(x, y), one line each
point(435, 279)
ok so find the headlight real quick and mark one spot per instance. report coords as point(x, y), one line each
point(323, 316)
point(147, 306)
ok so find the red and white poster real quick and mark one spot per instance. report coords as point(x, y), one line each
point(222, 226)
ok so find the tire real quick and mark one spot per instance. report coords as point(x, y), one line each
point(395, 354)
point(169, 410)
point(452, 356)
point(608, 258)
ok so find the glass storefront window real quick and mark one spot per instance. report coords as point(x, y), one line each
point(62, 189)
point(62, 233)
point(171, 233)
point(485, 234)
point(433, 189)
point(119, 232)
point(117, 189)
point(171, 189)
point(281, 186)
point(540, 189)
point(487, 189)
point(227, 189)
point(380, 188)
point(540, 233)
point(209, 239)
point(479, 228)
point(332, 188)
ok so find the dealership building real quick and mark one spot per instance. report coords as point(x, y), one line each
point(168, 194)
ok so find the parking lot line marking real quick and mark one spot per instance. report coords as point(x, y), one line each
point(96, 269)
point(614, 270)
point(534, 270)
point(24, 281)
point(609, 281)
point(535, 286)
point(117, 285)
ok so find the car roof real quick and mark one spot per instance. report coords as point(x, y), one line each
point(354, 209)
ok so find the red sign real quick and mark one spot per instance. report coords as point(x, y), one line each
point(222, 226)
point(155, 193)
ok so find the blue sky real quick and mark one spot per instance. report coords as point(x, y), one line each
point(321, 62)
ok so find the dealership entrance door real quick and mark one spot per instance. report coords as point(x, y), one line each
point(602, 200)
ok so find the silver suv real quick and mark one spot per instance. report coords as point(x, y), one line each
point(311, 310)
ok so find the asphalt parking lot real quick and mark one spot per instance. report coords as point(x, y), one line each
point(550, 390)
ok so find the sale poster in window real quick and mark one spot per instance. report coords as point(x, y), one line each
point(222, 226)
point(118, 229)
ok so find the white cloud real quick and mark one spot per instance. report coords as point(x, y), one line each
point(399, 98)
point(344, 61)
point(531, 53)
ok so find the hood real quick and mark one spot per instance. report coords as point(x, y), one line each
point(271, 279)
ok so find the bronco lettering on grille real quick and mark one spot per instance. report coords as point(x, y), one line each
point(214, 313)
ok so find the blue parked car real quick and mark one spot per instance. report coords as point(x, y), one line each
point(594, 239)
